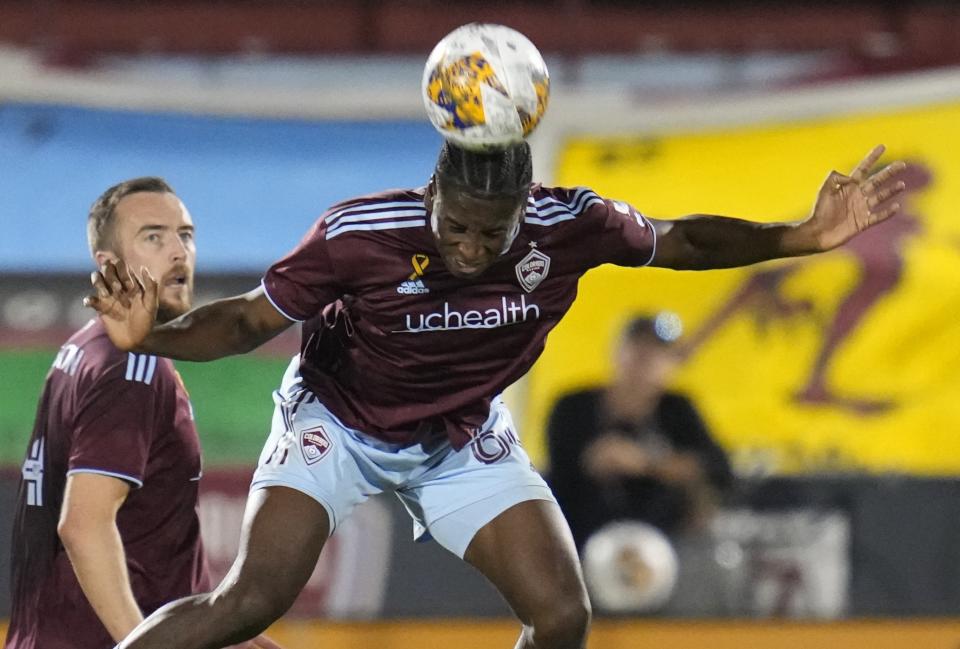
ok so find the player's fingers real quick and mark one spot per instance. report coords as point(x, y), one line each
point(150, 286)
point(861, 170)
point(93, 302)
point(836, 181)
point(147, 276)
point(138, 286)
point(99, 284)
point(885, 193)
point(117, 289)
point(884, 176)
point(112, 278)
point(884, 213)
point(124, 275)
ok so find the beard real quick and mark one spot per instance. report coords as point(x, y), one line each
point(175, 300)
point(167, 312)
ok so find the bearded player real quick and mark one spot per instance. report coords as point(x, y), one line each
point(419, 308)
point(106, 528)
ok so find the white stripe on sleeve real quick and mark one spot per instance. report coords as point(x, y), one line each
point(141, 367)
point(151, 366)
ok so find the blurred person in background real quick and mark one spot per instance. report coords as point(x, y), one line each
point(106, 528)
point(638, 477)
point(634, 449)
point(420, 307)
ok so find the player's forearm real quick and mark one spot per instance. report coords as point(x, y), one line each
point(709, 241)
point(96, 553)
point(221, 328)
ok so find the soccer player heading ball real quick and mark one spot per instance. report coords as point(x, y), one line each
point(419, 307)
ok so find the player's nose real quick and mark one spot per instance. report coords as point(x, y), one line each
point(179, 251)
point(471, 251)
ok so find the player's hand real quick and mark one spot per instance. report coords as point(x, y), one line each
point(127, 303)
point(848, 205)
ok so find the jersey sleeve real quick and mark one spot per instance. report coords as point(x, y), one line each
point(624, 236)
point(116, 418)
point(303, 282)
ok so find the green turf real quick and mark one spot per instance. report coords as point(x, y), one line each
point(231, 401)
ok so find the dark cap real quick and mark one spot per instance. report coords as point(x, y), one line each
point(664, 327)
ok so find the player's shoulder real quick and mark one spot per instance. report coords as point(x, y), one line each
point(383, 212)
point(549, 206)
point(90, 355)
point(89, 348)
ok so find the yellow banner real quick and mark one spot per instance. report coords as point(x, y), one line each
point(848, 360)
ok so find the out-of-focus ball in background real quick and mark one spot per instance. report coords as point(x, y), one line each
point(630, 567)
point(485, 86)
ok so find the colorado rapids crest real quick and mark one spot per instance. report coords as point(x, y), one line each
point(533, 268)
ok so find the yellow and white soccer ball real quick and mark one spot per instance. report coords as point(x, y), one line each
point(485, 86)
point(629, 567)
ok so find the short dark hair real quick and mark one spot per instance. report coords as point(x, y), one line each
point(101, 216)
point(504, 173)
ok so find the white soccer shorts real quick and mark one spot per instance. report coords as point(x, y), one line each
point(449, 494)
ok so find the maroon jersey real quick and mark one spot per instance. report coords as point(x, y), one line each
point(123, 415)
point(397, 346)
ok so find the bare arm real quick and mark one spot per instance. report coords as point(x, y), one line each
point(89, 533)
point(845, 206)
point(233, 325)
point(127, 305)
point(704, 241)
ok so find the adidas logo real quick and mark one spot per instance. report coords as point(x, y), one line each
point(412, 287)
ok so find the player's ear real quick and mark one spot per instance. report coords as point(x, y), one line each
point(430, 192)
point(103, 256)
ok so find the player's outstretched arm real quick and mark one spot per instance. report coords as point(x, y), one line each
point(127, 304)
point(845, 206)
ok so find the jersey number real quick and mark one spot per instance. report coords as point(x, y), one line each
point(32, 473)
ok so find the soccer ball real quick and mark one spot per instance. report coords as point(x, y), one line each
point(485, 86)
point(629, 567)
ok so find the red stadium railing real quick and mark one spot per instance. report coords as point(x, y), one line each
point(908, 33)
